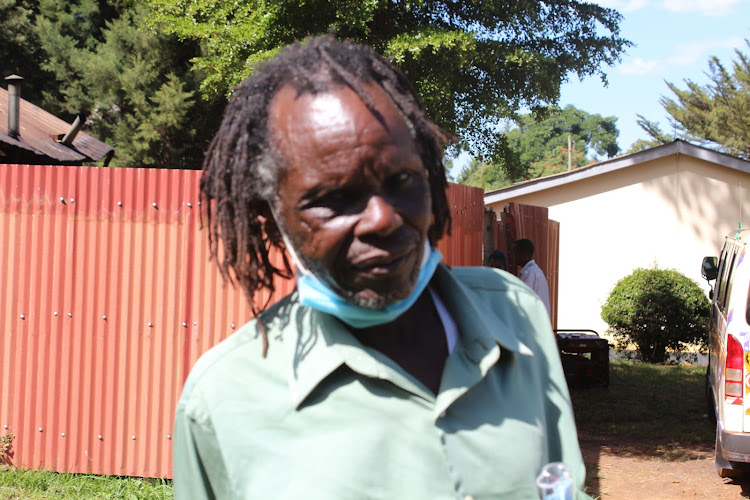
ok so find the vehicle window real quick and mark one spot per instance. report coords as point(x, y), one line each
point(722, 271)
point(729, 281)
point(726, 278)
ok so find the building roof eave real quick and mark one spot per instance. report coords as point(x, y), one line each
point(618, 163)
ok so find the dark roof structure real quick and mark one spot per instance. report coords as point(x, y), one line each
point(39, 137)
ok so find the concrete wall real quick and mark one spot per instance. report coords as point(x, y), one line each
point(670, 212)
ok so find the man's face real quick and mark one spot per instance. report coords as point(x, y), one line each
point(519, 256)
point(355, 199)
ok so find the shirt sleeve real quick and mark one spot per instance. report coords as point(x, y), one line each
point(562, 438)
point(199, 470)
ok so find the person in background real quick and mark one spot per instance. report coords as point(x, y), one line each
point(497, 260)
point(385, 374)
point(531, 274)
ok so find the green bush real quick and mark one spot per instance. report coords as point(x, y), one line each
point(657, 309)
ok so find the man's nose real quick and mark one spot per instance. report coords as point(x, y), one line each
point(379, 217)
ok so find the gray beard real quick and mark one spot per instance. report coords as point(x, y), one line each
point(351, 297)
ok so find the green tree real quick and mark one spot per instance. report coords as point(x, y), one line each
point(654, 131)
point(536, 138)
point(557, 162)
point(100, 59)
point(473, 62)
point(20, 50)
point(486, 175)
point(715, 115)
point(657, 310)
point(134, 85)
point(540, 140)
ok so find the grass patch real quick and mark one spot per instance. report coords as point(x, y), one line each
point(43, 485)
point(661, 408)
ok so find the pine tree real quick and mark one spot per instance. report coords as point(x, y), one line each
point(715, 115)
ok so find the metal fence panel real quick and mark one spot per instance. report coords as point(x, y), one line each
point(109, 299)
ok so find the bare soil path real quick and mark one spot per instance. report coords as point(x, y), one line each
point(629, 472)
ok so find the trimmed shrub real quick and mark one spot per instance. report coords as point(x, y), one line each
point(656, 310)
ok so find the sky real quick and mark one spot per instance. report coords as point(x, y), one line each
point(673, 40)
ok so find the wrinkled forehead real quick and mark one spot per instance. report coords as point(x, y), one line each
point(338, 117)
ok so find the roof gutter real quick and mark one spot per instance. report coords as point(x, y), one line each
point(14, 105)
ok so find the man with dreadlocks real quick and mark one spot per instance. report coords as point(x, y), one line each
point(384, 374)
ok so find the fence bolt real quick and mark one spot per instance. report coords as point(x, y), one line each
point(55, 313)
point(119, 203)
point(62, 200)
point(190, 205)
point(6, 426)
point(40, 429)
point(184, 324)
point(133, 438)
point(195, 323)
point(63, 434)
point(72, 200)
point(70, 315)
point(232, 326)
point(150, 324)
point(23, 317)
point(153, 204)
point(100, 437)
point(104, 317)
point(169, 436)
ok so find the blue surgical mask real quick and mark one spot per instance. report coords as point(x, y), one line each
point(315, 293)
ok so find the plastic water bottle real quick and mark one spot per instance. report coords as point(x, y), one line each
point(555, 482)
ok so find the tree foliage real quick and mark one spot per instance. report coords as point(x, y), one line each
point(715, 115)
point(657, 309)
point(135, 86)
point(20, 50)
point(473, 62)
point(560, 160)
point(538, 145)
point(484, 175)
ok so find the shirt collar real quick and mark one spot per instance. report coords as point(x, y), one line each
point(529, 264)
point(476, 321)
point(323, 343)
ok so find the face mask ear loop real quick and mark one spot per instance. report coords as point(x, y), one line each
point(287, 244)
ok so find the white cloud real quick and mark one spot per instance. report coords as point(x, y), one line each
point(684, 55)
point(640, 67)
point(688, 54)
point(704, 7)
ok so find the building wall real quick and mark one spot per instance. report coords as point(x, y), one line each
point(670, 212)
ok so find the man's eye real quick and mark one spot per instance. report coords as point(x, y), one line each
point(401, 179)
point(330, 199)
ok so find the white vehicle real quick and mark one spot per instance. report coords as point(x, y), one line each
point(728, 373)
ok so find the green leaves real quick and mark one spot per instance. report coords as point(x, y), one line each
point(474, 62)
point(133, 84)
point(715, 115)
point(657, 309)
point(536, 144)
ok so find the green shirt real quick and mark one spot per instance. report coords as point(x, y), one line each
point(323, 417)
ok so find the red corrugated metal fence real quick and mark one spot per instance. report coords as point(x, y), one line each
point(108, 299)
point(525, 221)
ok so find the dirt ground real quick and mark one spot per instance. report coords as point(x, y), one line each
point(627, 472)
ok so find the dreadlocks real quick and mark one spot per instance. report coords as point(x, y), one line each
point(242, 169)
